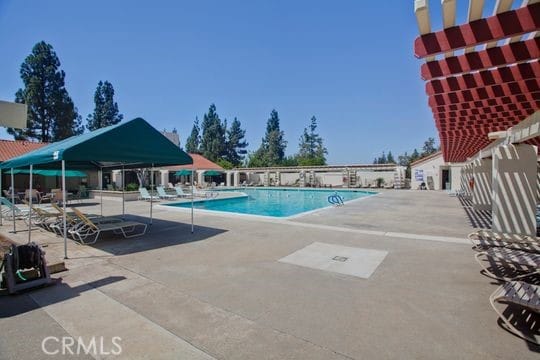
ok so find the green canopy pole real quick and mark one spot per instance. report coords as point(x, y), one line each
point(152, 189)
point(123, 192)
point(30, 206)
point(100, 183)
point(192, 170)
point(13, 200)
point(64, 199)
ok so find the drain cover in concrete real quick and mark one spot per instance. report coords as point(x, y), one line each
point(336, 258)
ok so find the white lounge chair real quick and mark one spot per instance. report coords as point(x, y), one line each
point(484, 239)
point(490, 234)
point(180, 192)
point(73, 220)
point(89, 228)
point(518, 293)
point(521, 261)
point(45, 218)
point(163, 195)
point(9, 209)
point(145, 195)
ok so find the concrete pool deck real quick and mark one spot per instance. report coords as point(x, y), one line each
point(223, 293)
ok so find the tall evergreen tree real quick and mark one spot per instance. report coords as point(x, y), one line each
point(272, 150)
point(429, 147)
point(382, 159)
point(236, 145)
point(52, 116)
point(66, 125)
point(194, 139)
point(311, 148)
point(106, 109)
point(404, 160)
point(213, 135)
point(390, 158)
point(415, 156)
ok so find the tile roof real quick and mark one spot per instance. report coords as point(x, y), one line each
point(199, 162)
point(13, 148)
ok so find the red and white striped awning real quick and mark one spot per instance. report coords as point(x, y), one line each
point(481, 76)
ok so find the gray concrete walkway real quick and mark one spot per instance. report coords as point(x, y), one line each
point(223, 293)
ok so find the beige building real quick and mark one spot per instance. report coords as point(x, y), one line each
point(348, 176)
point(435, 173)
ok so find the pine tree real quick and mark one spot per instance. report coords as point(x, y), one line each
point(415, 155)
point(194, 139)
point(236, 145)
point(106, 109)
point(382, 159)
point(311, 148)
point(272, 150)
point(404, 160)
point(52, 116)
point(213, 135)
point(429, 147)
point(65, 125)
point(390, 158)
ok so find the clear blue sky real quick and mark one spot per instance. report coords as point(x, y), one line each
point(349, 63)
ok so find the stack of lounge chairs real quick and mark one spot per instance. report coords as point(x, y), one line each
point(82, 227)
point(514, 260)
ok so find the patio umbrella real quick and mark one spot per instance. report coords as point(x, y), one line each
point(183, 172)
point(212, 173)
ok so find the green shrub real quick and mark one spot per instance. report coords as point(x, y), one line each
point(132, 187)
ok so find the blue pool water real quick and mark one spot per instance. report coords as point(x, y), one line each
point(276, 202)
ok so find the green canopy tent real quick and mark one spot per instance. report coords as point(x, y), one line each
point(132, 144)
point(48, 173)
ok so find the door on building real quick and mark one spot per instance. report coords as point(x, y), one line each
point(445, 179)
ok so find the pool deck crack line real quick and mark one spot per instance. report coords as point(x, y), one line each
point(447, 239)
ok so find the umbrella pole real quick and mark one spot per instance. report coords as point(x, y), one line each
point(13, 200)
point(192, 171)
point(64, 199)
point(152, 189)
point(123, 192)
point(30, 206)
point(101, 190)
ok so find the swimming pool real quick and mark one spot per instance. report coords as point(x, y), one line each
point(275, 202)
